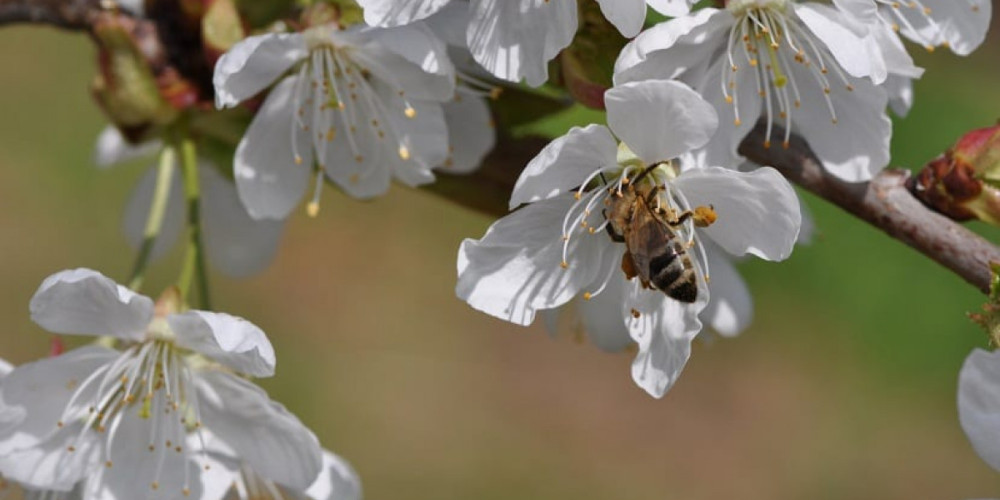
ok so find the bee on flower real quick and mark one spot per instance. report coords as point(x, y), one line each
point(623, 227)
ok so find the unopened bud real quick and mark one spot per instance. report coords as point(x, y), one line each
point(588, 63)
point(989, 319)
point(964, 182)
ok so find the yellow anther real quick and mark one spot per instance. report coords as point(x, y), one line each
point(404, 153)
point(410, 112)
point(312, 209)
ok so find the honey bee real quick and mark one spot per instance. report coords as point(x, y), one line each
point(654, 251)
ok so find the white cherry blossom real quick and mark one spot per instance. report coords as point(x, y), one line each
point(471, 130)
point(960, 25)
point(979, 403)
point(235, 243)
point(559, 246)
point(516, 39)
point(135, 422)
point(364, 104)
point(797, 65)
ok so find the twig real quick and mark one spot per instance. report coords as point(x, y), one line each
point(885, 203)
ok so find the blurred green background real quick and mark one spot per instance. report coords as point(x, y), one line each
point(843, 388)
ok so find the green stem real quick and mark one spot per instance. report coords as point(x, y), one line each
point(154, 221)
point(194, 269)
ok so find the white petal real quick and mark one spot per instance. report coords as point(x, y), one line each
point(112, 148)
point(626, 15)
point(425, 138)
point(659, 119)
point(5, 368)
point(471, 133)
point(671, 8)
point(979, 403)
point(731, 309)
point(337, 480)
point(736, 119)
point(450, 23)
point(514, 270)
point(85, 302)
point(34, 396)
point(565, 163)
point(674, 47)
point(601, 315)
point(861, 122)
point(269, 179)
point(236, 244)
point(411, 59)
point(758, 212)
point(419, 45)
point(900, 91)
point(664, 330)
point(272, 441)
point(232, 341)
point(834, 30)
point(515, 40)
point(134, 468)
point(962, 24)
point(137, 211)
point(398, 12)
point(253, 64)
point(50, 466)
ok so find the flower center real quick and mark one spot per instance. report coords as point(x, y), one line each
point(608, 199)
point(151, 381)
point(774, 46)
point(336, 94)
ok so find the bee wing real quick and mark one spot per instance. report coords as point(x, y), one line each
point(648, 237)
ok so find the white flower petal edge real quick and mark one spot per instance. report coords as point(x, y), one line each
point(731, 309)
point(471, 133)
point(515, 268)
point(32, 398)
point(758, 211)
point(232, 341)
point(564, 163)
point(262, 432)
point(85, 302)
point(979, 403)
point(254, 64)
point(112, 148)
point(626, 15)
point(515, 40)
point(399, 12)
point(337, 480)
point(236, 244)
point(683, 120)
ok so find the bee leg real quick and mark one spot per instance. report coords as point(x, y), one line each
point(628, 266)
point(703, 216)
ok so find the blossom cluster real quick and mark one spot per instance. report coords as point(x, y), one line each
point(628, 232)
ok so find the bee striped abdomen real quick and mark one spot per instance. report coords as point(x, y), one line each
point(673, 273)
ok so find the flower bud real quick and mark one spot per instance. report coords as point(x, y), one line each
point(964, 182)
point(588, 63)
point(989, 319)
point(125, 86)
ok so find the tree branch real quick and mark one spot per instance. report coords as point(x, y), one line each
point(885, 203)
point(67, 14)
